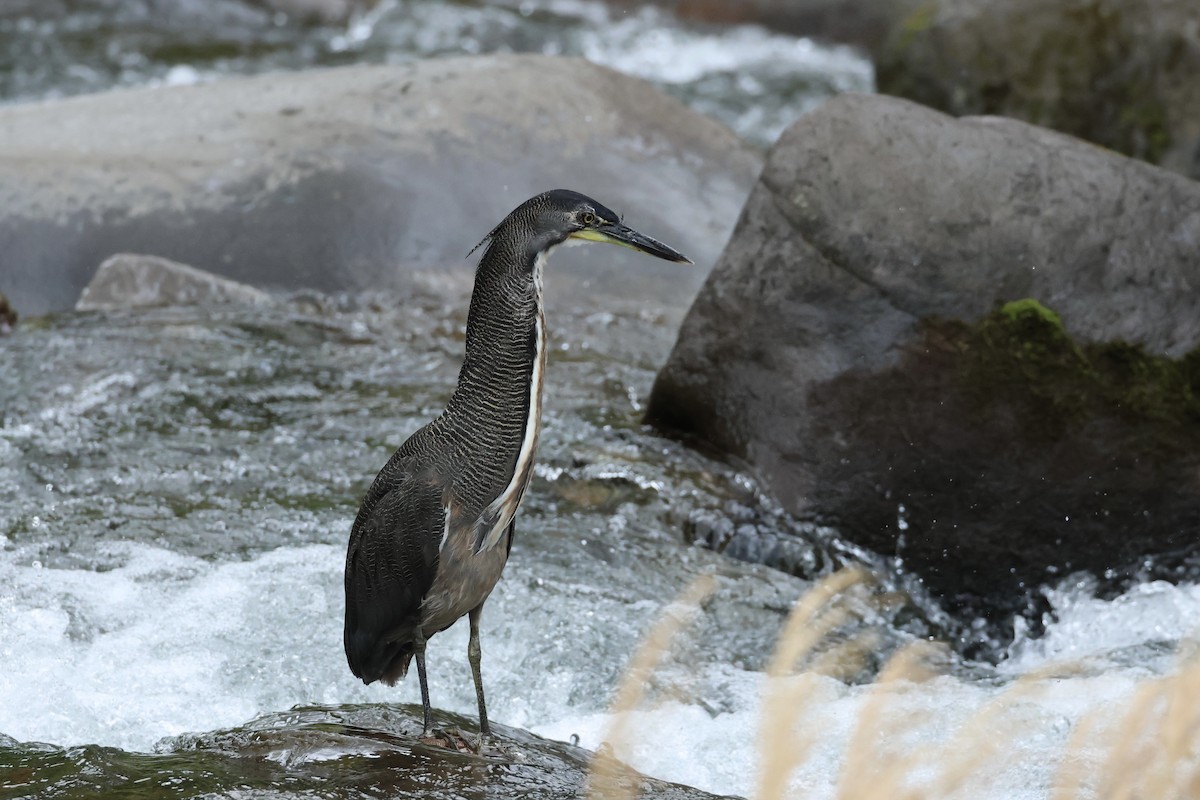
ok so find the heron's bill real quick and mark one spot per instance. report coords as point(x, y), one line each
point(628, 237)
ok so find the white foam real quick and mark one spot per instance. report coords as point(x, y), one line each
point(1149, 619)
point(161, 645)
point(673, 55)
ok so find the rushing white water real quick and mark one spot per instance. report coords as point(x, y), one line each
point(166, 643)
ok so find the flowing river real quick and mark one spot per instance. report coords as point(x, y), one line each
point(177, 486)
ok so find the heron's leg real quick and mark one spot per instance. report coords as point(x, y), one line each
point(473, 655)
point(419, 652)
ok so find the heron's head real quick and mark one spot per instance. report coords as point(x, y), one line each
point(562, 216)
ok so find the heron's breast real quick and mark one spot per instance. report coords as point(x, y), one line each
point(464, 580)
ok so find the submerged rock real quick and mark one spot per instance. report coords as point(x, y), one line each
point(368, 751)
point(130, 280)
point(837, 347)
point(359, 177)
point(1120, 73)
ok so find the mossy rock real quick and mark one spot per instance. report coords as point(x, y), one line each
point(863, 346)
point(1115, 72)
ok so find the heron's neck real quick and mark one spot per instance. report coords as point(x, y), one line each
point(501, 376)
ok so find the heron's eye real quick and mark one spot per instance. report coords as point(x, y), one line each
point(587, 218)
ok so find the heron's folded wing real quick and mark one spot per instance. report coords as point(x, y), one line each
point(391, 562)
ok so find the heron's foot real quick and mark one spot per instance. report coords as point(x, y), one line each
point(481, 744)
point(456, 740)
point(487, 746)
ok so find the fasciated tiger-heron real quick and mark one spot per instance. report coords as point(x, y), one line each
point(434, 530)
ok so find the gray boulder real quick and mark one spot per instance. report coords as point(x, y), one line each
point(361, 177)
point(831, 346)
point(130, 280)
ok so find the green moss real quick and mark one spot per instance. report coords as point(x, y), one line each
point(1017, 308)
point(1143, 129)
point(208, 51)
point(42, 323)
point(1021, 357)
point(915, 24)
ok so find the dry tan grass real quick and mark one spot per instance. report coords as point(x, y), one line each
point(1148, 749)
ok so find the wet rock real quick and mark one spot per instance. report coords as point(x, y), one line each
point(1119, 73)
point(370, 751)
point(130, 280)
point(845, 346)
point(8, 316)
point(362, 177)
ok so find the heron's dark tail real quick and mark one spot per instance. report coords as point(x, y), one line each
point(373, 661)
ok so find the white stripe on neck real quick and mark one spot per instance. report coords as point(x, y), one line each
point(505, 506)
